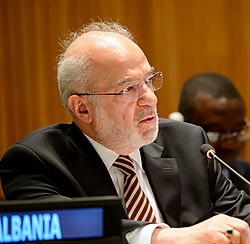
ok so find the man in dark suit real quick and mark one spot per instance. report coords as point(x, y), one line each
point(211, 101)
point(107, 85)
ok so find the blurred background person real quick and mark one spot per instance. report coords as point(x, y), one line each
point(211, 101)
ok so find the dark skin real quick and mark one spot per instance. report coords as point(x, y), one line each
point(222, 115)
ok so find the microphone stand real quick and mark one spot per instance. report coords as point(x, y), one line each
point(230, 168)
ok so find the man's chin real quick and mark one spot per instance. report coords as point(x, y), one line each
point(151, 134)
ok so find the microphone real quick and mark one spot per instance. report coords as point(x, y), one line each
point(209, 152)
point(176, 116)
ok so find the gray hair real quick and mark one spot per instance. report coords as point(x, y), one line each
point(73, 72)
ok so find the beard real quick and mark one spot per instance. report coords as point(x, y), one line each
point(119, 138)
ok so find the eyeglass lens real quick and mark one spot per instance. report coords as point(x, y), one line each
point(133, 92)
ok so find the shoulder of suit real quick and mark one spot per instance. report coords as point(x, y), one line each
point(46, 131)
point(169, 123)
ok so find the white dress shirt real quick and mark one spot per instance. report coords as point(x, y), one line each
point(143, 234)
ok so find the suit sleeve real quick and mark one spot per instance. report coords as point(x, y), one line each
point(25, 175)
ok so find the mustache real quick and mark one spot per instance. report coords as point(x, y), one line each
point(151, 111)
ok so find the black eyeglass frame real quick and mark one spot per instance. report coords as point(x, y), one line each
point(242, 135)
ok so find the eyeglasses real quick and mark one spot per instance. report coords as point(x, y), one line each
point(237, 136)
point(133, 92)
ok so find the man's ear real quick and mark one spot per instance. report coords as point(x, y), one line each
point(80, 108)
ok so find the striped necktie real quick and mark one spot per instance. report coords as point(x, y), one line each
point(137, 204)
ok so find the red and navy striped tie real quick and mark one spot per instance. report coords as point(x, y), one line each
point(137, 204)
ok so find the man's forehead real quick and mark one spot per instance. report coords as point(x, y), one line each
point(95, 40)
point(222, 102)
point(221, 112)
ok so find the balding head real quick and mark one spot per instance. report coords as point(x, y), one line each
point(98, 45)
point(94, 42)
point(101, 51)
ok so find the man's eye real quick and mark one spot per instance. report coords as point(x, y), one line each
point(129, 89)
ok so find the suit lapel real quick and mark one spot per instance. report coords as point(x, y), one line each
point(99, 183)
point(163, 175)
point(88, 163)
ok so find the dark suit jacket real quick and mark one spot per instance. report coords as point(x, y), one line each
point(59, 162)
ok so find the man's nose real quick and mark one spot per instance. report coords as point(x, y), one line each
point(147, 96)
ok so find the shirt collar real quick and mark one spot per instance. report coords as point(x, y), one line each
point(108, 156)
